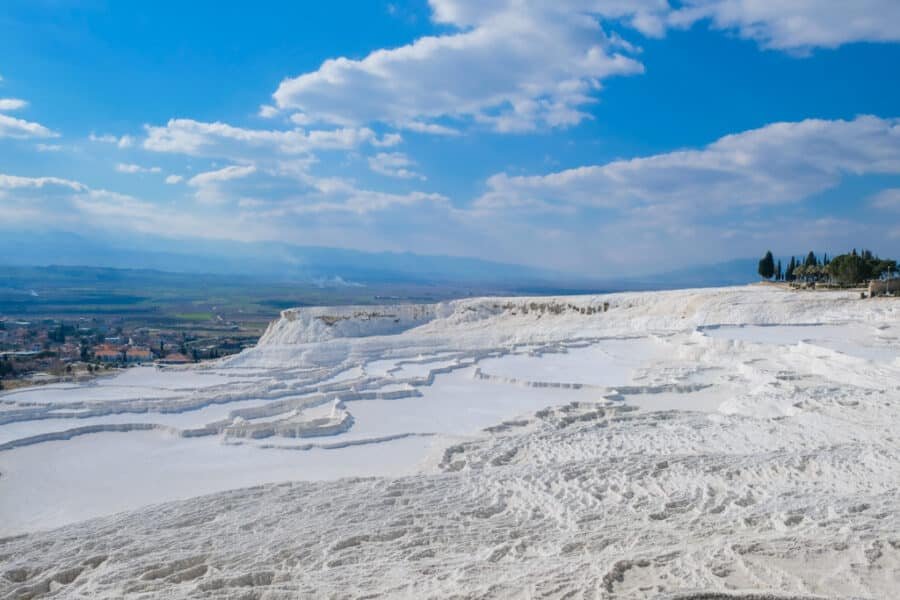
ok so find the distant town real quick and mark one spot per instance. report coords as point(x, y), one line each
point(48, 350)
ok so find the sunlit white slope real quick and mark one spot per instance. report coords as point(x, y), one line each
point(725, 443)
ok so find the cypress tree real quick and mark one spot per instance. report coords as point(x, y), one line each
point(766, 267)
point(811, 259)
point(778, 273)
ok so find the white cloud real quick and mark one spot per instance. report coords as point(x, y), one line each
point(798, 25)
point(300, 118)
point(225, 174)
point(394, 164)
point(348, 199)
point(132, 168)
point(11, 127)
point(511, 65)
point(173, 179)
point(62, 204)
point(125, 141)
point(13, 182)
point(286, 189)
point(12, 104)
point(267, 111)
point(106, 139)
point(111, 210)
point(187, 136)
point(388, 140)
point(429, 128)
point(888, 199)
point(209, 184)
point(48, 147)
point(36, 200)
point(316, 211)
point(778, 163)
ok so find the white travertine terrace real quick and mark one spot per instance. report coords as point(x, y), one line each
point(723, 443)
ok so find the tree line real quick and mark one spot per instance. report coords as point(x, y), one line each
point(852, 268)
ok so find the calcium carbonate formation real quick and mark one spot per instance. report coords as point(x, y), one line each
point(724, 443)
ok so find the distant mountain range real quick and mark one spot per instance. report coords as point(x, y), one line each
point(335, 267)
point(264, 260)
point(740, 271)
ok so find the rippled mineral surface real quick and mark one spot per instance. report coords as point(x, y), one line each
point(724, 443)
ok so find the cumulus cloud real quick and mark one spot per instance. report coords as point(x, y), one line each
point(797, 26)
point(125, 141)
point(12, 104)
point(10, 127)
point(286, 189)
point(15, 182)
point(388, 140)
point(173, 179)
point(341, 197)
point(429, 128)
point(209, 184)
point(778, 163)
point(187, 136)
point(267, 111)
point(888, 199)
point(313, 210)
point(513, 66)
point(63, 203)
point(132, 168)
point(394, 164)
point(225, 174)
point(36, 200)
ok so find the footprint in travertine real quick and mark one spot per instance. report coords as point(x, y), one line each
point(43, 587)
point(746, 500)
point(67, 576)
point(792, 520)
point(188, 574)
point(262, 578)
point(616, 574)
point(95, 561)
point(349, 542)
point(486, 512)
point(673, 507)
point(61, 577)
point(178, 567)
point(19, 575)
point(874, 552)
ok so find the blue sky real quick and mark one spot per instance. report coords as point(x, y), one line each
point(594, 136)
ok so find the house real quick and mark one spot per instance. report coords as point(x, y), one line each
point(138, 354)
point(107, 353)
point(176, 358)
